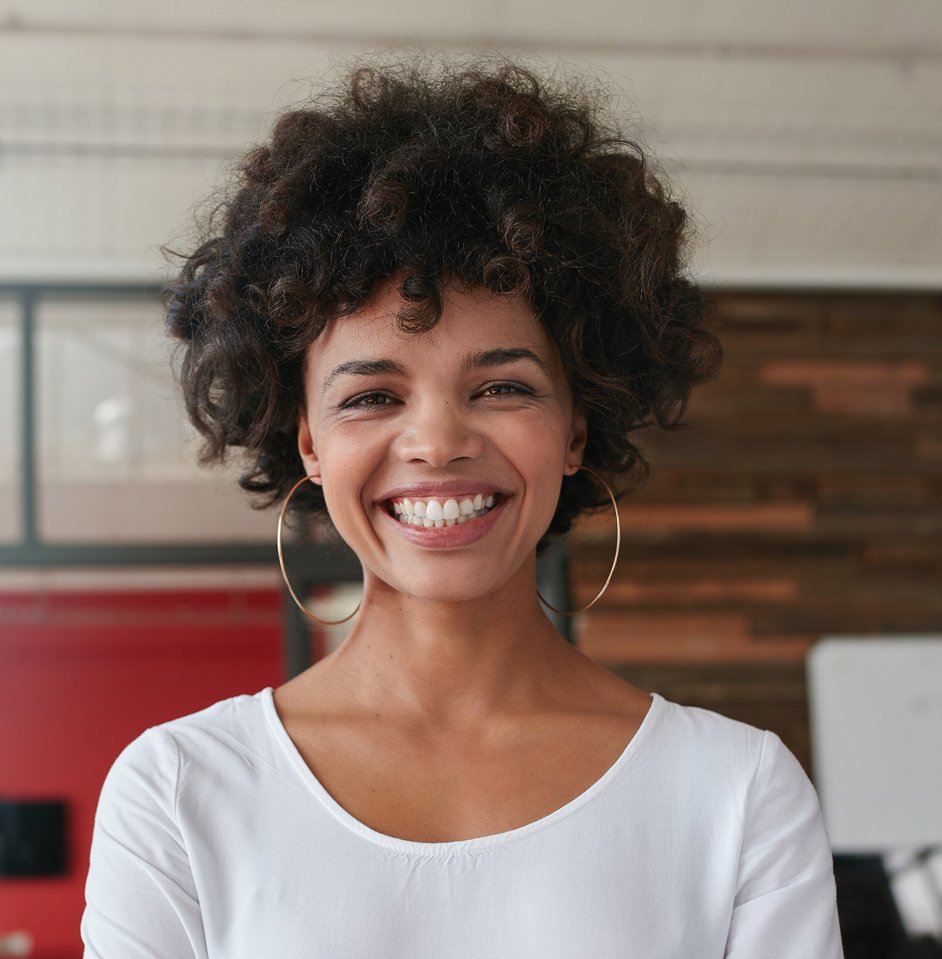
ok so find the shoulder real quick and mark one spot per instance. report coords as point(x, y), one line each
point(700, 737)
point(749, 767)
point(770, 769)
point(774, 791)
point(236, 719)
point(151, 763)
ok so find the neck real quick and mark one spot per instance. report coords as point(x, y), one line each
point(450, 663)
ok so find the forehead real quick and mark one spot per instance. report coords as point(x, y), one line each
point(469, 321)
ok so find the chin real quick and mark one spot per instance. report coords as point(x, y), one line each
point(454, 594)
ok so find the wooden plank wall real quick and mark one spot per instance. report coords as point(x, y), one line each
point(804, 499)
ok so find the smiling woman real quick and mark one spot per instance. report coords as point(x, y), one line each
point(437, 304)
point(439, 431)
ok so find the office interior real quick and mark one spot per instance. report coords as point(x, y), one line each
point(782, 563)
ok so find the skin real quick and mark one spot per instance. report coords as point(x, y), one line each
point(451, 651)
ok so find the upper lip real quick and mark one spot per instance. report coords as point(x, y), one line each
point(444, 488)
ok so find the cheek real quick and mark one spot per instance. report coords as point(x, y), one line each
point(348, 460)
point(537, 453)
point(539, 441)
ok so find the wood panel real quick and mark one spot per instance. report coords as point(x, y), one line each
point(803, 500)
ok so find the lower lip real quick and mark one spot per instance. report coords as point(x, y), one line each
point(448, 537)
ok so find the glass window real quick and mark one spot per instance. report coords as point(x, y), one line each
point(116, 455)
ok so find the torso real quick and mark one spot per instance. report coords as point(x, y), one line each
point(417, 785)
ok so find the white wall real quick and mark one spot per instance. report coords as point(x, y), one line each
point(807, 136)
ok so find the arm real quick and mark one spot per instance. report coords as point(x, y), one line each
point(140, 896)
point(785, 906)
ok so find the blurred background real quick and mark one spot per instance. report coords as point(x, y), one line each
point(783, 564)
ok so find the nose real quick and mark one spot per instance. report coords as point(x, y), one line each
point(439, 432)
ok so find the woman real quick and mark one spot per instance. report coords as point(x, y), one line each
point(435, 308)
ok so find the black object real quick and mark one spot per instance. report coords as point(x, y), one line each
point(32, 839)
point(871, 926)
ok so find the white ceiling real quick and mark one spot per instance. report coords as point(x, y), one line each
point(807, 136)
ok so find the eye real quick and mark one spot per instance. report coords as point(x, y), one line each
point(513, 387)
point(362, 400)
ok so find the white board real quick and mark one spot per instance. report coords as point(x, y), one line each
point(876, 736)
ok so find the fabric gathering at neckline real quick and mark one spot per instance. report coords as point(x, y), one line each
point(472, 844)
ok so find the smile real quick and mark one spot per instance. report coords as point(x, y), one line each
point(433, 512)
point(443, 534)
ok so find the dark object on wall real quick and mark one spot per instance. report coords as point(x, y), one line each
point(32, 839)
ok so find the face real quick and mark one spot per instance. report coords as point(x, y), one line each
point(478, 406)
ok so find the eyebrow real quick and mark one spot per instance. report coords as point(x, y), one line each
point(362, 368)
point(484, 358)
point(501, 355)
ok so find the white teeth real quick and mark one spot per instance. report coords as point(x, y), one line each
point(434, 514)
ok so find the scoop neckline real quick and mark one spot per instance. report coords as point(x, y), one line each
point(473, 843)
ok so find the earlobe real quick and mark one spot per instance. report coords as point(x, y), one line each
point(306, 450)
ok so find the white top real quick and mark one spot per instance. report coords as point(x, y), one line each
point(213, 839)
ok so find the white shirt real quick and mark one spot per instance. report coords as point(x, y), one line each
point(213, 839)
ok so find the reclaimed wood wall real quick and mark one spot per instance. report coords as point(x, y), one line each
point(804, 500)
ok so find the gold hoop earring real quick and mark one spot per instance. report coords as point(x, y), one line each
point(608, 579)
point(284, 572)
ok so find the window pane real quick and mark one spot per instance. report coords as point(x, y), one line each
point(117, 458)
point(10, 503)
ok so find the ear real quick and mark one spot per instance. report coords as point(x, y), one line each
point(312, 466)
point(578, 437)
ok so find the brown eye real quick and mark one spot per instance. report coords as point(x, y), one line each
point(513, 387)
point(362, 400)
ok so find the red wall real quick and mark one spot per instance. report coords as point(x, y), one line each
point(80, 676)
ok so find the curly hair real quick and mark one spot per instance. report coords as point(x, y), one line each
point(485, 175)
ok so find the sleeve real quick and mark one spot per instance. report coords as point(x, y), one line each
point(786, 903)
point(140, 897)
